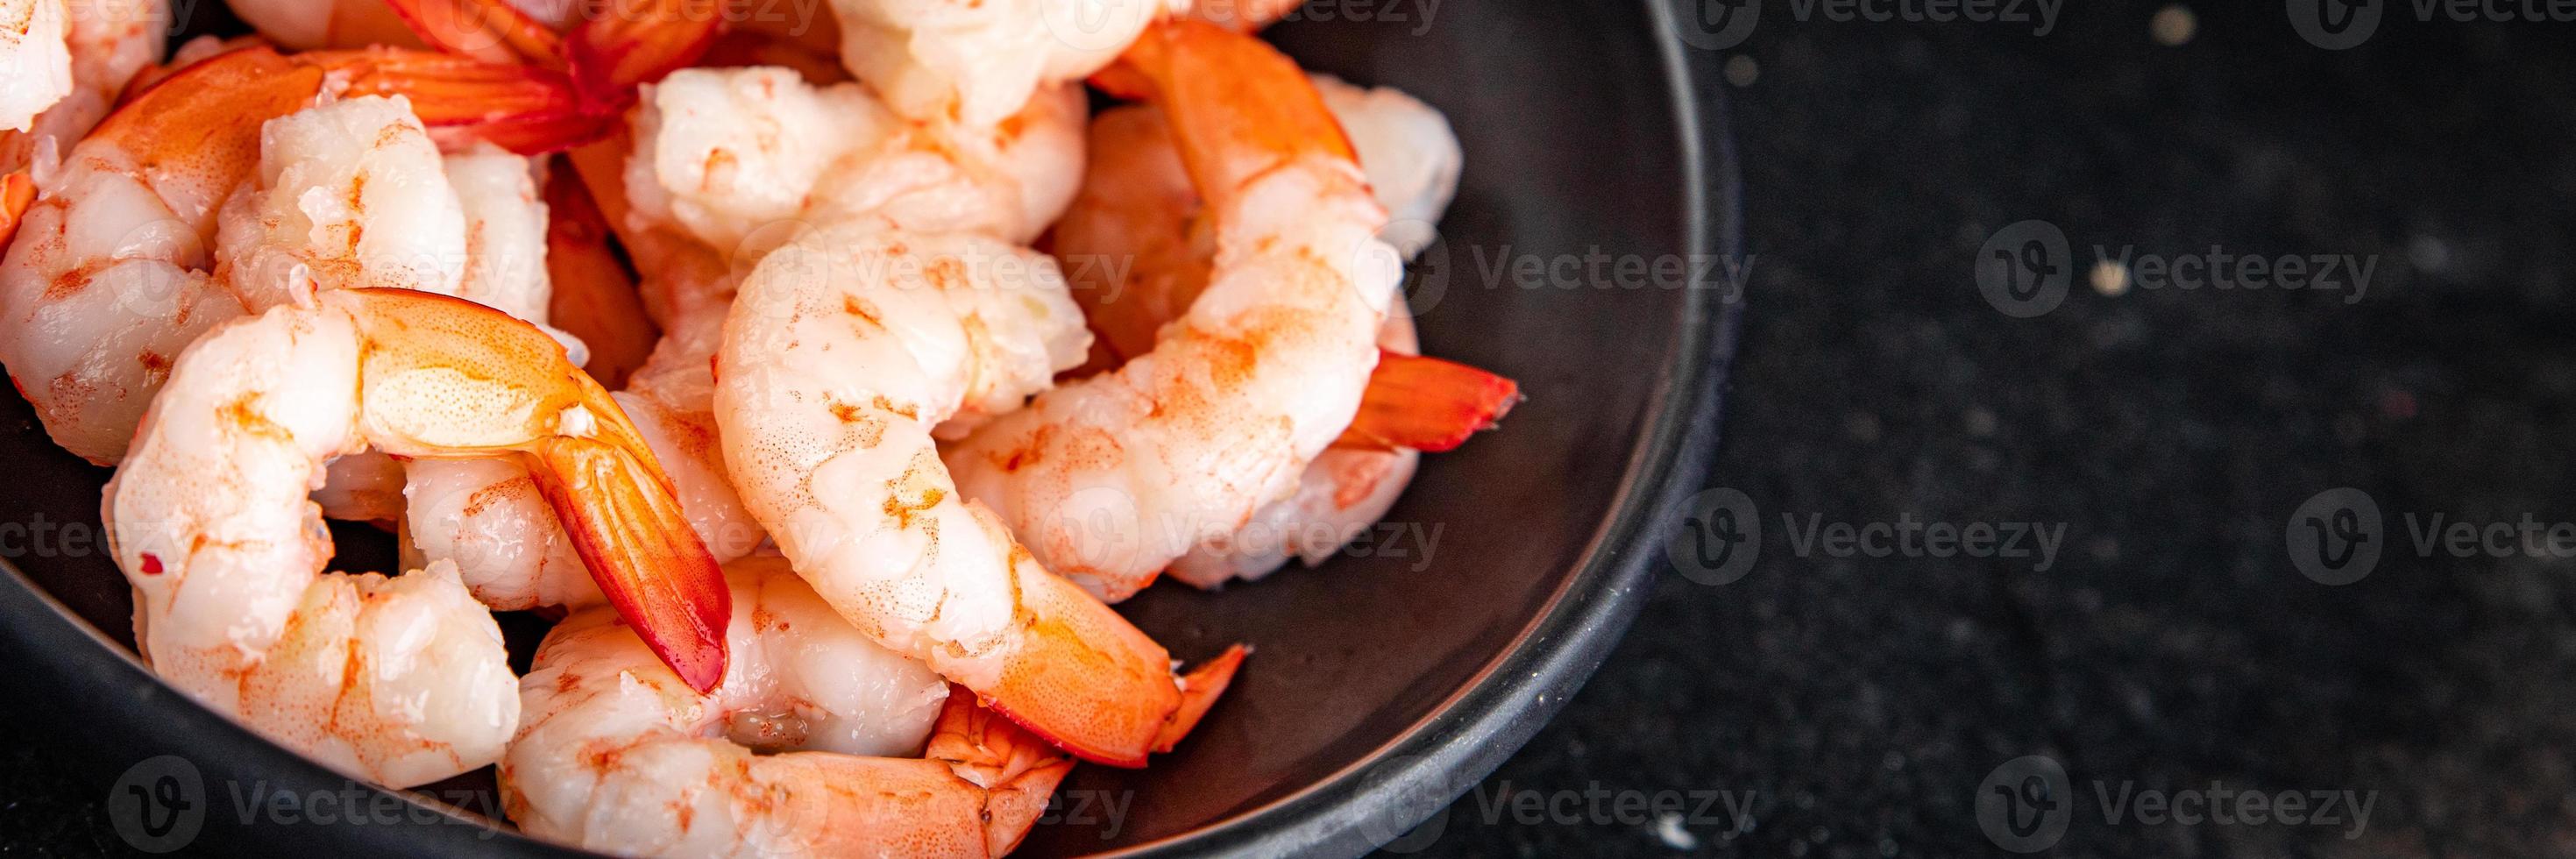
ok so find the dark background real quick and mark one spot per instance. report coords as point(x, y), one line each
point(2171, 432)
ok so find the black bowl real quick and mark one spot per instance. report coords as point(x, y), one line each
point(1385, 683)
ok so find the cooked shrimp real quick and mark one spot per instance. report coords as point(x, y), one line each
point(110, 274)
point(62, 64)
point(1112, 477)
point(843, 349)
point(980, 62)
point(37, 58)
point(1134, 247)
point(401, 681)
point(812, 747)
point(309, 24)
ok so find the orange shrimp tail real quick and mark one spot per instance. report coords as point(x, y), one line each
point(1238, 107)
point(630, 532)
point(1199, 690)
point(1426, 404)
point(492, 31)
point(594, 295)
point(638, 42)
point(522, 108)
point(598, 475)
point(16, 192)
point(1084, 678)
point(208, 115)
point(1019, 769)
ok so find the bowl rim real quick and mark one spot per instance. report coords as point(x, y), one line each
point(1378, 799)
point(1360, 807)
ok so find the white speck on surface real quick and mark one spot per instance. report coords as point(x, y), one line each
point(2173, 25)
point(2110, 277)
point(1668, 828)
point(1742, 71)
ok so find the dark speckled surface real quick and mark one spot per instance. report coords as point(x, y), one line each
point(1852, 706)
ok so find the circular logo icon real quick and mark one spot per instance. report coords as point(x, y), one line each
point(2024, 268)
point(2335, 536)
point(1423, 801)
point(1426, 266)
point(1716, 25)
point(158, 805)
point(1720, 538)
point(2334, 24)
point(1098, 26)
point(2025, 804)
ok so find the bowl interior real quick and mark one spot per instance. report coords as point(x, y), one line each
point(1573, 171)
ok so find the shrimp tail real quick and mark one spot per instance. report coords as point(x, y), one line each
point(641, 552)
point(603, 59)
point(16, 191)
point(1238, 107)
point(1091, 683)
point(1426, 404)
point(492, 31)
point(1018, 770)
point(1199, 690)
point(589, 460)
point(611, 55)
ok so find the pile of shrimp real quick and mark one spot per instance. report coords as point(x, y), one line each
point(828, 380)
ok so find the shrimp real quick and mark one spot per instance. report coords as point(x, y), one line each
point(980, 62)
point(353, 192)
point(1259, 375)
point(62, 64)
point(110, 274)
point(812, 747)
point(309, 24)
point(208, 521)
point(841, 352)
point(1137, 208)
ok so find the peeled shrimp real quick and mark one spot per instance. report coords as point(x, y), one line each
point(981, 62)
point(1128, 240)
point(724, 164)
point(402, 680)
point(1110, 478)
point(812, 747)
point(110, 274)
point(843, 349)
point(62, 64)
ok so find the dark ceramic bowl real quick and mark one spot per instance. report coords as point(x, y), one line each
point(1384, 684)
